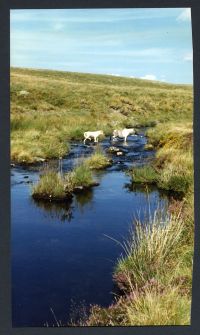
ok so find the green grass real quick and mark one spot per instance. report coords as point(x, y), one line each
point(52, 185)
point(151, 251)
point(98, 160)
point(61, 106)
point(149, 308)
point(172, 169)
point(174, 158)
point(82, 176)
point(144, 175)
point(155, 275)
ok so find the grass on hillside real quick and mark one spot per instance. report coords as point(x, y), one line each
point(61, 106)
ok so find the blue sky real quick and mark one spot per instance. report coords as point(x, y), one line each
point(143, 43)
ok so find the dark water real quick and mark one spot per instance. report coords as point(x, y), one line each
point(62, 256)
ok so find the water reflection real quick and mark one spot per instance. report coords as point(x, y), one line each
point(148, 188)
point(59, 211)
point(144, 188)
point(83, 199)
point(64, 211)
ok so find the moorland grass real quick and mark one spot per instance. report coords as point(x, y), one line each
point(98, 160)
point(172, 169)
point(52, 185)
point(82, 176)
point(148, 308)
point(155, 274)
point(174, 158)
point(49, 185)
point(61, 106)
point(144, 175)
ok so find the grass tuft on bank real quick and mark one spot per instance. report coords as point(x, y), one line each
point(144, 175)
point(155, 275)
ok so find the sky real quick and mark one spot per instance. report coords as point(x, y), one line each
point(152, 44)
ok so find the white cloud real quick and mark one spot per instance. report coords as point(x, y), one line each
point(188, 57)
point(114, 74)
point(149, 77)
point(185, 15)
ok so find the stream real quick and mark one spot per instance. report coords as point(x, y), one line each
point(63, 255)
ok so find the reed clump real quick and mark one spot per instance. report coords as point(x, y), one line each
point(155, 275)
point(98, 160)
point(144, 175)
point(54, 186)
point(50, 186)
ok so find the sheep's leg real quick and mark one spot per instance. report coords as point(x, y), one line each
point(87, 138)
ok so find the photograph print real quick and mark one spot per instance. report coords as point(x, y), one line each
point(102, 189)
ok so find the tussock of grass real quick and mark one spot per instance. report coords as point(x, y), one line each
point(155, 275)
point(150, 250)
point(174, 158)
point(81, 176)
point(98, 160)
point(147, 308)
point(52, 186)
point(144, 175)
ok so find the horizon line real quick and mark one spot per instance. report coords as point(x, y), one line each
point(102, 74)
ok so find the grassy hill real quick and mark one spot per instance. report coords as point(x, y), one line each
point(49, 108)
